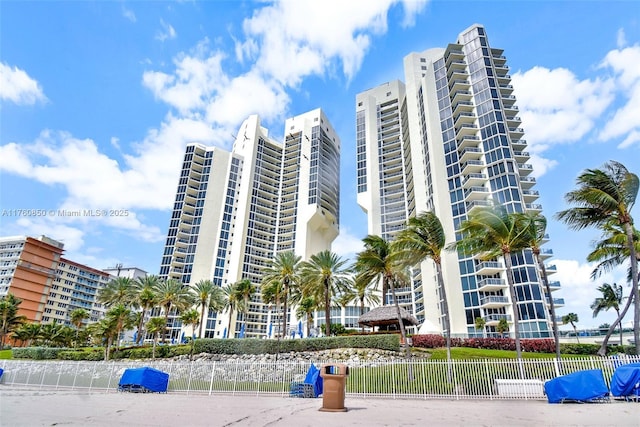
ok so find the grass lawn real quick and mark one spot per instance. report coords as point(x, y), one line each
point(464, 353)
point(5, 354)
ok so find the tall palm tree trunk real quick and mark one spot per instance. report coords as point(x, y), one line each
point(201, 320)
point(284, 306)
point(166, 320)
point(327, 309)
point(141, 332)
point(514, 303)
point(403, 333)
point(445, 307)
point(552, 308)
point(229, 325)
point(628, 228)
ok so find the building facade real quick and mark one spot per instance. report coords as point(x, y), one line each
point(235, 210)
point(49, 285)
point(449, 140)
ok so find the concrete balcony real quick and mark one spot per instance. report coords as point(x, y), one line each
point(506, 89)
point(557, 302)
point(551, 269)
point(494, 319)
point(474, 180)
point(530, 195)
point(526, 182)
point(494, 301)
point(546, 253)
point(489, 268)
point(476, 193)
point(516, 133)
point(459, 96)
point(477, 204)
point(521, 156)
point(535, 207)
point(518, 144)
point(461, 106)
point(491, 284)
point(469, 153)
point(472, 166)
point(459, 84)
point(463, 117)
point(525, 169)
point(468, 140)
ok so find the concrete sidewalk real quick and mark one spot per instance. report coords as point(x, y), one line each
point(29, 407)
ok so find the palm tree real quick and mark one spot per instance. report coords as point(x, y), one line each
point(424, 238)
point(9, 317)
point(361, 292)
point(376, 264)
point(611, 298)
point(191, 318)
point(271, 292)
point(605, 197)
point(78, 317)
point(50, 333)
point(233, 302)
point(117, 291)
point(324, 276)
point(502, 327)
point(573, 319)
point(155, 325)
point(122, 317)
point(104, 331)
point(171, 294)
point(480, 324)
point(306, 307)
point(27, 333)
point(284, 269)
point(609, 253)
point(490, 232)
point(536, 226)
point(144, 297)
point(208, 297)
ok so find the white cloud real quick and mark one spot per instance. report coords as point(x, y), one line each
point(16, 86)
point(196, 78)
point(625, 121)
point(166, 33)
point(93, 180)
point(579, 291)
point(72, 237)
point(346, 244)
point(128, 14)
point(557, 107)
point(311, 36)
point(621, 39)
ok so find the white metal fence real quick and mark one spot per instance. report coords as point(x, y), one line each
point(416, 379)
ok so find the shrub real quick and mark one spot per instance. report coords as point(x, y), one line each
point(93, 354)
point(36, 353)
point(583, 349)
point(428, 341)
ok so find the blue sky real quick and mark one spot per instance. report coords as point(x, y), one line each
point(98, 99)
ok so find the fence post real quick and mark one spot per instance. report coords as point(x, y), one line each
point(93, 374)
point(190, 374)
point(213, 370)
point(113, 365)
point(75, 376)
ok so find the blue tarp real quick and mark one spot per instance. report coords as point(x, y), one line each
point(144, 379)
point(312, 385)
point(626, 380)
point(581, 386)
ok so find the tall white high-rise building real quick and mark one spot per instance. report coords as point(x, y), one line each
point(448, 141)
point(234, 211)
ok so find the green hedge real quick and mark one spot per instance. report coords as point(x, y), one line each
point(592, 349)
point(36, 353)
point(261, 346)
point(216, 346)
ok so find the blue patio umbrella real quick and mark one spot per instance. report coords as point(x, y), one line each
point(242, 331)
point(135, 336)
point(182, 340)
point(224, 333)
point(300, 328)
point(270, 330)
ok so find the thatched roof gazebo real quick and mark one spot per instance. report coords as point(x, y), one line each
point(386, 318)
